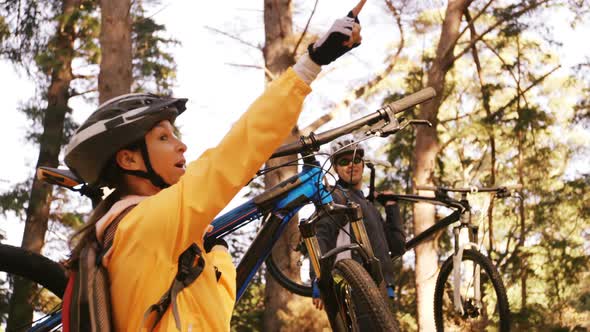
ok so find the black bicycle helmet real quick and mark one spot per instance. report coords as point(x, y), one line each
point(117, 123)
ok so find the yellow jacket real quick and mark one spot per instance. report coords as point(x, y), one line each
point(148, 241)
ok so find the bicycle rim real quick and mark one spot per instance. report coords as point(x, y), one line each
point(490, 313)
point(300, 285)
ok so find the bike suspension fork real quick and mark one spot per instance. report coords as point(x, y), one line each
point(457, 260)
point(307, 229)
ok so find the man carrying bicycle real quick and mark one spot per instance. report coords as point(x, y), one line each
point(385, 237)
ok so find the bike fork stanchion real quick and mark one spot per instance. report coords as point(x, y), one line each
point(476, 270)
point(457, 272)
point(307, 230)
point(457, 258)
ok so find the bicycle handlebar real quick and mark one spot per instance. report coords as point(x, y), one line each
point(386, 113)
point(471, 190)
point(412, 100)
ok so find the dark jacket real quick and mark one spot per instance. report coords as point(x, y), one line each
point(377, 230)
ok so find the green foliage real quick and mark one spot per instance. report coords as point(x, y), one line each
point(22, 22)
point(15, 199)
point(4, 301)
point(153, 65)
point(531, 119)
point(248, 312)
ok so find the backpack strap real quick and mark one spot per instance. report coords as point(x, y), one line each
point(190, 266)
point(67, 302)
point(109, 233)
point(87, 302)
point(338, 194)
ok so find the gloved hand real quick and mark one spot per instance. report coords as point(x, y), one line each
point(212, 242)
point(343, 36)
point(315, 295)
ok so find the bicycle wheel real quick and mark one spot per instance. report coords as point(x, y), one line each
point(361, 306)
point(301, 286)
point(38, 269)
point(491, 314)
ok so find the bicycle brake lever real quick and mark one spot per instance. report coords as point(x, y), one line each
point(418, 123)
point(391, 127)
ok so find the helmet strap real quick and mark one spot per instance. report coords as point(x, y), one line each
point(154, 177)
point(151, 174)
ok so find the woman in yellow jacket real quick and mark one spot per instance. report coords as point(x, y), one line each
point(129, 144)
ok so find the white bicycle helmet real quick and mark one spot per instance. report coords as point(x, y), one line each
point(343, 145)
point(117, 123)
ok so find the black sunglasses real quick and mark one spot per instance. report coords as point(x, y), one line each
point(345, 161)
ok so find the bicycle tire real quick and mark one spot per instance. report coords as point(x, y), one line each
point(350, 279)
point(34, 267)
point(495, 311)
point(294, 286)
point(38, 269)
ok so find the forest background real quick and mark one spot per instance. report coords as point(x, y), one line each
point(512, 109)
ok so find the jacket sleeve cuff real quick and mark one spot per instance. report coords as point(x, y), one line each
point(306, 69)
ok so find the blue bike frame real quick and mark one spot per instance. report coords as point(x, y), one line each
point(278, 205)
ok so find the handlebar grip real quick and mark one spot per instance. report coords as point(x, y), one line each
point(411, 100)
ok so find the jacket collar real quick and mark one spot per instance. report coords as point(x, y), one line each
point(347, 186)
point(115, 210)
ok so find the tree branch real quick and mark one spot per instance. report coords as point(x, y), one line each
point(361, 91)
point(455, 118)
point(479, 37)
point(305, 29)
point(244, 65)
point(76, 94)
point(469, 26)
point(267, 71)
point(493, 50)
point(501, 110)
point(258, 47)
point(83, 77)
point(322, 120)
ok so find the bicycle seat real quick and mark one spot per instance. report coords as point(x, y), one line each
point(58, 176)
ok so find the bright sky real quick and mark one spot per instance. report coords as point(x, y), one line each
point(218, 93)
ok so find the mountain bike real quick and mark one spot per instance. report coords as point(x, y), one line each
point(469, 297)
point(469, 294)
point(350, 286)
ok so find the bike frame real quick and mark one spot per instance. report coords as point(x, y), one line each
point(462, 213)
point(278, 206)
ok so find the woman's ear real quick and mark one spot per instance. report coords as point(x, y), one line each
point(129, 160)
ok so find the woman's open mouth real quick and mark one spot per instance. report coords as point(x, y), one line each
point(181, 164)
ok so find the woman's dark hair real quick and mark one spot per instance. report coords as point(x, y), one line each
point(113, 177)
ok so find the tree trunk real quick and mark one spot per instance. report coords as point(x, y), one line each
point(521, 210)
point(485, 95)
point(20, 308)
point(278, 56)
point(115, 75)
point(425, 152)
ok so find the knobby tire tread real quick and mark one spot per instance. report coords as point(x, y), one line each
point(367, 293)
